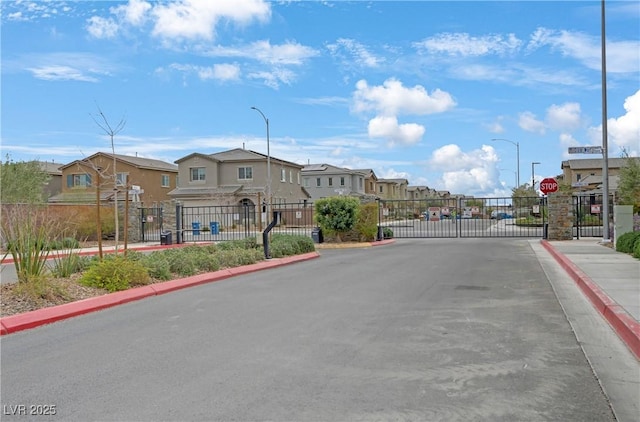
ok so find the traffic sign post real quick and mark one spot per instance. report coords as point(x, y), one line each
point(548, 185)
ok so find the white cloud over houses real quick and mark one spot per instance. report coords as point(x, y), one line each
point(391, 99)
point(564, 117)
point(623, 131)
point(529, 122)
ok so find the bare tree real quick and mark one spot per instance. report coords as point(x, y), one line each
point(111, 131)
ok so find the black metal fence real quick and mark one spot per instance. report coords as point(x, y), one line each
point(150, 223)
point(235, 222)
point(479, 217)
point(589, 215)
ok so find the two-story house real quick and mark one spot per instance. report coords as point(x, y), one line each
point(585, 175)
point(325, 180)
point(54, 184)
point(81, 178)
point(237, 177)
point(392, 188)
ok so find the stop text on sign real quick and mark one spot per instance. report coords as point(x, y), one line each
point(548, 185)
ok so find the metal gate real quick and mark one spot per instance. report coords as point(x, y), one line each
point(588, 215)
point(151, 220)
point(464, 217)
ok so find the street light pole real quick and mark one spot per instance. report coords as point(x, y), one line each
point(517, 144)
point(268, 163)
point(533, 177)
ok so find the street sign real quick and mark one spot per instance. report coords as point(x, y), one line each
point(548, 185)
point(585, 150)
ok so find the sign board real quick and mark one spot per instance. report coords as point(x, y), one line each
point(585, 150)
point(434, 213)
point(149, 219)
point(579, 184)
point(548, 185)
point(445, 211)
point(298, 215)
point(136, 191)
point(535, 209)
point(595, 209)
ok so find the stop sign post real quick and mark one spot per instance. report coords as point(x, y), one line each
point(548, 185)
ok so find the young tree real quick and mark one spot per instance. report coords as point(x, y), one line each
point(22, 182)
point(629, 182)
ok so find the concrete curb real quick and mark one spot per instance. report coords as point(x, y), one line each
point(625, 326)
point(25, 321)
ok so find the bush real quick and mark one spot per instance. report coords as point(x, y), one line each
point(626, 243)
point(289, 244)
point(387, 233)
point(367, 223)
point(636, 250)
point(115, 273)
point(337, 214)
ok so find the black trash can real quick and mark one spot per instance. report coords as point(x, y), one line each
point(316, 235)
point(165, 238)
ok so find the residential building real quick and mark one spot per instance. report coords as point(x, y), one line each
point(54, 184)
point(237, 177)
point(392, 188)
point(147, 181)
point(325, 180)
point(585, 175)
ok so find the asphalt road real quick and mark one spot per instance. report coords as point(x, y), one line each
point(424, 330)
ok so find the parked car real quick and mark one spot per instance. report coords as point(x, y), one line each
point(500, 215)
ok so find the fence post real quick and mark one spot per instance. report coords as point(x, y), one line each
point(178, 222)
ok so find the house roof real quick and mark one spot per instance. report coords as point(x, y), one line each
point(51, 168)
point(396, 181)
point(241, 154)
point(139, 162)
point(592, 163)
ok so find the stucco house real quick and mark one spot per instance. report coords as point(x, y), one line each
point(585, 175)
point(80, 179)
point(326, 180)
point(237, 177)
point(392, 188)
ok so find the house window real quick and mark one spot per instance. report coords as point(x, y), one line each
point(306, 182)
point(380, 189)
point(245, 173)
point(318, 184)
point(290, 176)
point(298, 173)
point(78, 180)
point(177, 180)
point(342, 181)
point(578, 177)
point(360, 183)
point(121, 179)
point(283, 175)
point(197, 173)
point(331, 181)
point(164, 180)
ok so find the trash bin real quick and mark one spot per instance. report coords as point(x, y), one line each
point(165, 238)
point(213, 226)
point(195, 228)
point(316, 235)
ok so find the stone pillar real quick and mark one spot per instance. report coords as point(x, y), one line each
point(560, 216)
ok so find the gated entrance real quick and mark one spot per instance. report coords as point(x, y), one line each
point(588, 215)
point(151, 220)
point(463, 217)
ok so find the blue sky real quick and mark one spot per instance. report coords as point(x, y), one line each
point(414, 89)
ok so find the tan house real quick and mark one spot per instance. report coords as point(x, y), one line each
point(370, 181)
point(237, 177)
point(325, 180)
point(54, 184)
point(392, 188)
point(148, 181)
point(585, 175)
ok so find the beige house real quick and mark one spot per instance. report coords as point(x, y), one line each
point(54, 184)
point(585, 175)
point(325, 180)
point(392, 188)
point(237, 177)
point(148, 181)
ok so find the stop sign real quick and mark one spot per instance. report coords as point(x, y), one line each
point(548, 185)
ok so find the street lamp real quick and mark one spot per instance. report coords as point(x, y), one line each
point(517, 144)
point(268, 162)
point(533, 178)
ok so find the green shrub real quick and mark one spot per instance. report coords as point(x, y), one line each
point(70, 262)
point(636, 250)
point(387, 233)
point(337, 214)
point(289, 244)
point(237, 257)
point(626, 242)
point(367, 223)
point(115, 273)
point(157, 265)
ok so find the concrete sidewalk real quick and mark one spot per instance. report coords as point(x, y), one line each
point(609, 279)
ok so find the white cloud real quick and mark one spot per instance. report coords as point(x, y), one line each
point(389, 128)
point(99, 27)
point(195, 19)
point(528, 121)
point(60, 73)
point(471, 172)
point(389, 100)
point(623, 131)
point(290, 53)
point(463, 44)
point(220, 72)
point(274, 78)
point(133, 13)
point(392, 98)
point(352, 51)
point(622, 56)
point(564, 117)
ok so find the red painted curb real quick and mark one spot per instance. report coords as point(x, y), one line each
point(383, 242)
point(20, 322)
point(626, 327)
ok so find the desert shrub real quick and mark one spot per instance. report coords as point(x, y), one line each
point(115, 273)
point(247, 243)
point(157, 265)
point(626, 242)
point(40, 289)
point(70, 262)
point(367, 223)
point(290, 244)
point(236, 257)
point(387, 233)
